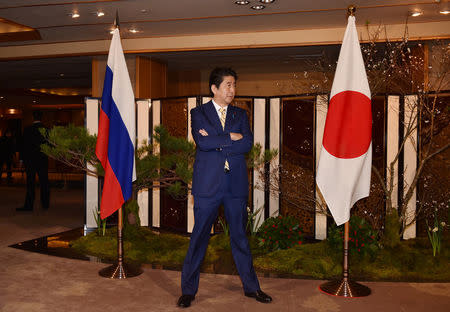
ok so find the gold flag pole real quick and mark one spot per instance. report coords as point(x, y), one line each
point(120, 270)
point(345, 287)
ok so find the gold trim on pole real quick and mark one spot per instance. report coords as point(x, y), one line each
point(351, 9)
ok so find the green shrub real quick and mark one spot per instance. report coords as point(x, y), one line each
point(362, 237)
point(282, 232)
point(391, 235)
point(131, 214)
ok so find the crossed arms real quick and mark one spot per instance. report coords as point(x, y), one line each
point(232, 143)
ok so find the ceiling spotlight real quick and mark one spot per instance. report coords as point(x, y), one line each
point(266, 1)
point(258, 7)
point(445, 11)
point(416, 13)
point(74, 15)
point(111, 31)
point(144, 11)
point(133, 30)
point(100, 14)
point(242, 2)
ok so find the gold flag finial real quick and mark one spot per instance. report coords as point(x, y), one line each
point(351, 9)
point(116, 21)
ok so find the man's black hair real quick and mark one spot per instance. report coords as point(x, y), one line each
point(217, 75)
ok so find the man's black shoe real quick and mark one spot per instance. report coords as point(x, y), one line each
point(260, 296)
point(185, 301)
point(24, 209)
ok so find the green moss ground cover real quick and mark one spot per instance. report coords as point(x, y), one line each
point(410, 261)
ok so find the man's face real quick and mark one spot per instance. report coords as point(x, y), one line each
point(224, 95)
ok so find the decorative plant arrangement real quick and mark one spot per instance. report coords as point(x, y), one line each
point(435, 234)
point(362, 237)
point(282, 232)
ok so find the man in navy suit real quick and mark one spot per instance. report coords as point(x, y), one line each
point(223, 137)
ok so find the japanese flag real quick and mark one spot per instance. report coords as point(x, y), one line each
point(344, 169)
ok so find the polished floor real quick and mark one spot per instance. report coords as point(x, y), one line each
point(36, 282)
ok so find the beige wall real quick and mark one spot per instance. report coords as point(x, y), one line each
point(271, 80)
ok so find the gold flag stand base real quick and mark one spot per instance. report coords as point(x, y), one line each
point(120, 271)
point(345, 288)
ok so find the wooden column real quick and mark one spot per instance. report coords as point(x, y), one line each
point(98, 73)
point(151, 78)
point(97, 86)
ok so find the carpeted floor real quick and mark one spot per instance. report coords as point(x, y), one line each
point(35, 282)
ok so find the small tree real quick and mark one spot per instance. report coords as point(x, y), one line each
point(168, 163)
point(401, 68)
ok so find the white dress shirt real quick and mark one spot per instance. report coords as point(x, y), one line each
point(217, 106)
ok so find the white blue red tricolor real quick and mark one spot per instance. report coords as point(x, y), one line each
point(344, 169)
point(116, 131)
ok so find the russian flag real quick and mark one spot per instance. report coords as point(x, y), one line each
point(116, 131)
point(345, 164)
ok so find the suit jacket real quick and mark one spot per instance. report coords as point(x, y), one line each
point(212, 150)
point(31, 145)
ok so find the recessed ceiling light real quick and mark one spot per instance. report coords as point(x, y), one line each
point(61, 75)
point(242, 2)
point(111, 31)
point(144, 11)
point(266, 1)
point(134, 30)
point(258, 7)
point(75, 15)
point(100, 14)
point(445, 12)
point(416, 13)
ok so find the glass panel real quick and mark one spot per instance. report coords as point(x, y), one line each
point(174, 118)
point(433, 186)
point(247, 105)
point(297, 161)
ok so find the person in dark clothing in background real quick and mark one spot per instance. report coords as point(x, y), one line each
point(6, 154)
point(35, 162)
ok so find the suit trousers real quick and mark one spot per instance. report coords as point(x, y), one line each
point(41, 169)
point(205, 213)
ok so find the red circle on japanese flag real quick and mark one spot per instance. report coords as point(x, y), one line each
point(348, 128)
